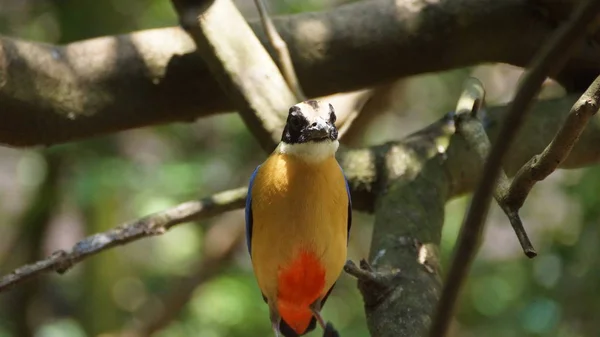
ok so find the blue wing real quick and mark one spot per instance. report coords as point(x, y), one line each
point(249, 211)
point(284, 328)
point(349, 206)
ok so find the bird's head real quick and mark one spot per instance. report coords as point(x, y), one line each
point(310, 131)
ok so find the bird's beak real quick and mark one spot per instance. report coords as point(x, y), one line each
point(318, 130)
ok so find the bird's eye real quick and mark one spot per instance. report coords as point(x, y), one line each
point(295, 122)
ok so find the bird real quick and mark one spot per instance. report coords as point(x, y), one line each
point(298, 219)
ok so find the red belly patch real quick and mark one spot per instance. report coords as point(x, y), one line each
point(300, 284)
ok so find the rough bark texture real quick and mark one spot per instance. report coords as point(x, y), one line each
point(51, 94)
point(242, 67)
point(408, 219)
point(406, 183)
point(413, 182)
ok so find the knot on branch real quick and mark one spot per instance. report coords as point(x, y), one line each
point(63, 263)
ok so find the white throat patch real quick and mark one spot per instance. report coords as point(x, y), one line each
point(312, 152)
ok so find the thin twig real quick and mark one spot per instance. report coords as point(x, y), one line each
point(474, 133)
point(280, 47)
point(540, 166)
point(547, 61)
point(241, 65)
point(155, 224)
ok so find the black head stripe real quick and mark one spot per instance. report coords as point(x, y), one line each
point(314, 104)
point(295, 109)
point(332, 116)
point(297, 127)
point(293, 126)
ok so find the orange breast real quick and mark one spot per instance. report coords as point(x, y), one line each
point(300, 284)
point(299, 234)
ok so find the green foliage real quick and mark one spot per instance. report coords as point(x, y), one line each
point(109, 180)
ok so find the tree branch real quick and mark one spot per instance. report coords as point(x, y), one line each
point(548, 60)
point(155, 224)
point(414, 178)
point(540, 166)
point(54, 94)
point(409, 214)
point(474, 133)
point(283, 54)
point(241, 65)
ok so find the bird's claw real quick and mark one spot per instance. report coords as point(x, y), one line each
point(366, 272)
point(330, 331)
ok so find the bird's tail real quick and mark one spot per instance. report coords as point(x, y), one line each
point(300, 323)
point(296, 317)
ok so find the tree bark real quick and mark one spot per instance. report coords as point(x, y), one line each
point(54, 94)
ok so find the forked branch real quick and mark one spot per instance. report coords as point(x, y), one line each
point(280, 47)
point(547, 61)
point(540, 166)
point(241, 65)
point(469, 126)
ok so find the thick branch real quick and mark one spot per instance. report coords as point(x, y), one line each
point(52, 94)
point(243, 68)
point(412, 173)
point(409, 214)
point(473, 131)
point(550, 58)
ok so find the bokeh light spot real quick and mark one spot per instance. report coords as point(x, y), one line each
point(491, 295)
point(541, 316)
point(61, 328)
point(547, 270)
point(31, 169)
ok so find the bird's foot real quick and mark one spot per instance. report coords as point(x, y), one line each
point(328, 329)
point(275, 320)
point(316, 311)
point(366, 273)
point(276, 331)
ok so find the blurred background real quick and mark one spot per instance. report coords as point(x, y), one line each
point(196, 280)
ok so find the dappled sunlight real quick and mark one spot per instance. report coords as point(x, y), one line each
point(315, 38)
point(156, 48)
point(97, 60)
point(196, 279)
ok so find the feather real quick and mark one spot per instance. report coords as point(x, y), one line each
point(249, 211)
point(284, 160)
